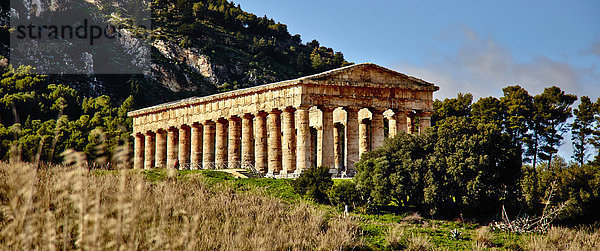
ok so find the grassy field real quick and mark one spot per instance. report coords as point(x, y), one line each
point(66, 208)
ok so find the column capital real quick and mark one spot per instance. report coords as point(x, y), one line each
point(150, 133)
point(289, 109)
point(275, 111)
point(326, 108)
point(139, 135)
point(184, 127)
point(425, 113)
point(160, 131)
point(222, 121)
point(234, 118)
point(401, 111)
point(303, 107)
point(173, 129)
point(375, 110)
point(261, 114)
point(352, 108)
point(196, 124)
point(248, 116)
point(208, 122)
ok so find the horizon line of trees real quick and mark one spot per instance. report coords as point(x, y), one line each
point(536, 124)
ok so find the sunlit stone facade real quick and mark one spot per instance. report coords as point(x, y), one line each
point(281, 129)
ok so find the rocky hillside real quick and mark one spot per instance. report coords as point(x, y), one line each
point(199, 47)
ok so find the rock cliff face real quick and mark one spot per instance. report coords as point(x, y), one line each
point(172, 68)
point(202, 54)
point(183, 58)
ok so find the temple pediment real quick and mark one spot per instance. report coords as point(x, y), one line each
point(369, 74)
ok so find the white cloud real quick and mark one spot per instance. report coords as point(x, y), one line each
point(483, 67)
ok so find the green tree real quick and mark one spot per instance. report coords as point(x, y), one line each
point(452, 107)
point(518, 105)
point(595, 139)
point(394, 172)
point(582, 128)
point(473, 168)
point(551, 109)
point(18, 89)
point(488, 110)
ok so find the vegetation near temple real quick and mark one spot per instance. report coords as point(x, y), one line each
point(472, 161)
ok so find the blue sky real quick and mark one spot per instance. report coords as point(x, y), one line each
point(463, 46)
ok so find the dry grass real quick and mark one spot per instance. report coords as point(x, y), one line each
point(419, 242)
point(398, 239)
point(70, 208)
point(565, 239)
point(414, 218)
point(483, 238)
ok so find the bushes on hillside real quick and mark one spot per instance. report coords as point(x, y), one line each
point(40, 119)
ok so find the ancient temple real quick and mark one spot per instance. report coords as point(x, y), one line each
point(327, 119)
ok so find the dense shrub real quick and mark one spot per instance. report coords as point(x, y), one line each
point(393, 173)
point(577, 186)
point(458, 167)
point(314, 183)
point(344, 193)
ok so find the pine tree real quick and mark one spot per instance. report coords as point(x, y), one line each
point(582, 129)
point(518, 104)
point(551, 110)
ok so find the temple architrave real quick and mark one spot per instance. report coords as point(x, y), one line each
point(280, 129)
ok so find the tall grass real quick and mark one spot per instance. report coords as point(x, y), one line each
point(70, 208)
point(565, 239)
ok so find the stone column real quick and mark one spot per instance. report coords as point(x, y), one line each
point(288, 143)
point(352, 152)
point(410, 123)
point(172, 148)
point(138, 157)
point(221, 144)
point(392, 126)
point(184, 146)
point(377, 135)
point(235, 141)
point(274, 141)
point(327, 148)
point(208, 158)
point(424, 122)
point(150, 150)
point(319, 145)
point(161, 148)
point(196, 144)
point(247, 140)
point(363, 138)
point(260, 143)
point(338, 145)
point(401, 123)
point(303, 140)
